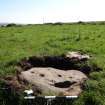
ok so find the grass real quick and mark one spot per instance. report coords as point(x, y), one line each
point(23, 41)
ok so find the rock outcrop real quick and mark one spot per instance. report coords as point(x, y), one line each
point(53, 81)
point(52, 75)
point(78, 56)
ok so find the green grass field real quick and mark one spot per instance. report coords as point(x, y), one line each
point(18, 42)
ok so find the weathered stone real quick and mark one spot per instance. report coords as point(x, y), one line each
point(77, 55)
point(50, 80)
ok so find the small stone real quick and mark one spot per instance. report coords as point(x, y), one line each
point(77, 55)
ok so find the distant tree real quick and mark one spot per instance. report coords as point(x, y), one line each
point(58, 23)
point(11, 24)
point(81, 22)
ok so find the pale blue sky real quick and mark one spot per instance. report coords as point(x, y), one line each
point(37, 11)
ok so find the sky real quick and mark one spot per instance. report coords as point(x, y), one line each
point(45, 11)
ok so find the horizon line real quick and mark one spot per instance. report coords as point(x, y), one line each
point(52, 22)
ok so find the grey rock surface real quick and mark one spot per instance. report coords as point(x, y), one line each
point(53, 81)
point(77, 55)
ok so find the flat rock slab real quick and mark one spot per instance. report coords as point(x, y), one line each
point(78, 56)
point(51, 81)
